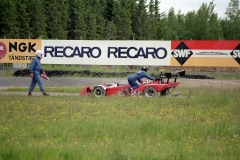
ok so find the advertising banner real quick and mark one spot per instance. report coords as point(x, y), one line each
point(18, 50)
point(132, 52)
point(205, 53)
point(106, 52)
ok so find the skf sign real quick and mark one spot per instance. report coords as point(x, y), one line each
point(18, 50)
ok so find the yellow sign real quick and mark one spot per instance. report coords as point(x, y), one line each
point(18, 50)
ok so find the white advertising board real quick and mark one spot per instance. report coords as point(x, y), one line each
point(106, 52)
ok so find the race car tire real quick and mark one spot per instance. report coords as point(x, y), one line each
point(165, 92)
point(98, 91)
point(149, 92)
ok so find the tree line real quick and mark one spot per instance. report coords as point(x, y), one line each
point(115, 20)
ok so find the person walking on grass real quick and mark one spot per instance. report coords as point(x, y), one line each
point(132, 79)
point(36, 72)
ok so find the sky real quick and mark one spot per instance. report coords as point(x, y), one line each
point(193, 5)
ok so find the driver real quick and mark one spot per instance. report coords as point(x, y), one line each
point(132, 79)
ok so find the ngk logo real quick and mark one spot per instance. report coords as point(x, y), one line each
point(182, 53)
point(236, 54)
point(22, 47)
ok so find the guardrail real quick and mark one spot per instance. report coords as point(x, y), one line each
point(63, 73)
point(89, 73)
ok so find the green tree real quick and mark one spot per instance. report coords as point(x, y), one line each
point(214, 30)
point(141, 21)
point(133, 9)
point(159, 21)
point(171, 32)
point(114, 19)
point(91, 24)
point(201, 22)
point(180, 26)
point(78, 26)
point(190, 25)
point(10, 26)
point(207, 25)
point(122, 19)
point(95, 19)
point(58, 19)
point(110, 27)
point(108, 10)
point(233, 20)
point(110, 31)
point(37, 14)
point(154, 18)
point(23, 18)
point(163, 27)
point(152, 22)
point(225, 29)
point(99, 6)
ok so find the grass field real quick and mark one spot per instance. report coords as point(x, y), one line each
point(60, 89)
point(203, 123)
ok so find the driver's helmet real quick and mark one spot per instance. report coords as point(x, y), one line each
point(145, 68)
point(39, 53)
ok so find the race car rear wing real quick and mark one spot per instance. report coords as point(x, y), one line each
point(168, 76)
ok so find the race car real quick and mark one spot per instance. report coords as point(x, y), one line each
point(158, 87)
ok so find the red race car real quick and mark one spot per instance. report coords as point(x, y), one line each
point(158, 87)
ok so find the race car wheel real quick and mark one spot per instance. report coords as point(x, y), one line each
point(149, 92)
point(98, 91)
point(165, 92)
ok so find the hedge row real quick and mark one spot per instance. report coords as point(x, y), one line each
point(88, 73)
point(85, 73)
point(197, 76)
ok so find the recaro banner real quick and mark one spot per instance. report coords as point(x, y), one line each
point(160, 53)
point(205, 53)
point(106, 52)
point(18, 50)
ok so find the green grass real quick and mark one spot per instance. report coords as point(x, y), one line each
point(71, 89)
point(228, 77)
point(6, 73)
point(203, 123)
point(94, 68)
